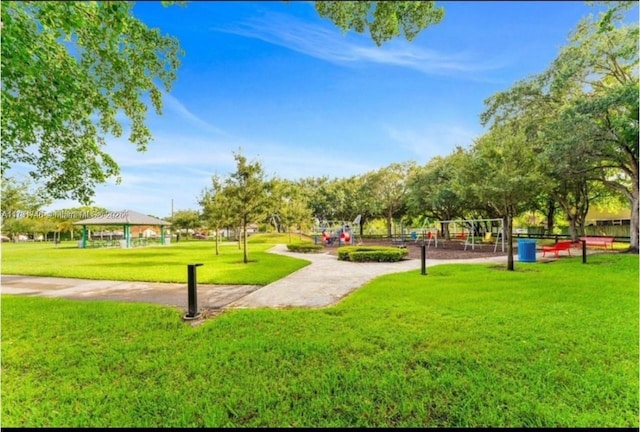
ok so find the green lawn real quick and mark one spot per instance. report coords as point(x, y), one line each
point(550, 345)
point(154, 263)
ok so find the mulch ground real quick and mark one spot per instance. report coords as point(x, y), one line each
point(446, 250)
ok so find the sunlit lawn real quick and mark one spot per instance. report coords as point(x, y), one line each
point(154, 263)
point(550, 345)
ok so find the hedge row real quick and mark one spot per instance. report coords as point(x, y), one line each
point(305, 247)
point(371, 254)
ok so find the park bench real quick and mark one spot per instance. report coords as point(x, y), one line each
point(598, 241)
point(558, 247)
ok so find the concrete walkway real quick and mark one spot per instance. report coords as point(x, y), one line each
point(324, 282)
point(170, 294)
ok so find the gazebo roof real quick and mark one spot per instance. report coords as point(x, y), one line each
point(123, 217)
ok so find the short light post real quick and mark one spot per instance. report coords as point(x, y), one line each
point(192, 286)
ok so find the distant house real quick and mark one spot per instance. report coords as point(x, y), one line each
point(231, 233)
point(144, 231)
point(598, 217)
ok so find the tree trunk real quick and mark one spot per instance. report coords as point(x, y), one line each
point(444, 229)
point(573, 226)
point(634, 228)
point(217, 241)
point(245, 252)
point(508, 227)
point(551, 212)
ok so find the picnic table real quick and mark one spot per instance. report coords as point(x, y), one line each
point(598, 241)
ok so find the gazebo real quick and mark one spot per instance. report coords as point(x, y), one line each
point(126, 219)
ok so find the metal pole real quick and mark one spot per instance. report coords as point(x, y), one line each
point(423, 259)
point(584, 251)
point(192, 285)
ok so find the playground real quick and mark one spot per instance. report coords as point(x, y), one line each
point(446, 250)
point(468, 239)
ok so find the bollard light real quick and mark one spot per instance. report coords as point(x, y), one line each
point(192, 286)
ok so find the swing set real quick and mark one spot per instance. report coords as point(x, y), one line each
point(426, 234)
point(476, 231)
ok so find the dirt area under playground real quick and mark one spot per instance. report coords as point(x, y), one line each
point(447, 249)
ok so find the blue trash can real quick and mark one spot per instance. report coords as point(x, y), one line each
point(527, 250)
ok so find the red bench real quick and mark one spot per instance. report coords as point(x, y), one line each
point(556, 248)
point(598, 241)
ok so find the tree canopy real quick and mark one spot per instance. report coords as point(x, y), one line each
point(68, 70)
point(246, 191)
point(582, 112)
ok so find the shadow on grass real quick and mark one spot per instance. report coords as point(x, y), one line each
point(517, 269)
point(135, 264)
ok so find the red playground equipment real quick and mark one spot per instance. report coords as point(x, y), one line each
point(343, 236)
point(336, 233)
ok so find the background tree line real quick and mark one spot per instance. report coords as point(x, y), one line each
point(556, 142)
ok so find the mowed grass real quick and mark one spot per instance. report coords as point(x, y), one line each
point(550, 345)
point(154, 263)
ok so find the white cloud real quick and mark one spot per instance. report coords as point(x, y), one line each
point(330, 45)
point(433, 140)
point(174, 105)
point(173, 150)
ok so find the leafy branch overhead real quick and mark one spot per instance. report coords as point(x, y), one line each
point(384, 20)
point(68, 69)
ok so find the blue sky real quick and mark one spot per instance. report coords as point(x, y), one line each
point(289, 89)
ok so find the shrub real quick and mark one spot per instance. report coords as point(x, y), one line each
point(305, 247)
point(371, 254)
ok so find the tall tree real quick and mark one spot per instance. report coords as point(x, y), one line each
point(186, 220)
point(19, 197)
point(584, 110)
point(389, 186)
point(21, 206)
point(246, 189)
point(432, 193)
point(216, 211)
point(288, 204)
point(503, 173)
point(583, 114)
point(602, 60)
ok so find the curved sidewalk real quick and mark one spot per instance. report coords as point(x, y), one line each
point(326, 280)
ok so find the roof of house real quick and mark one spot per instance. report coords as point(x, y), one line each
point(123, 217)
